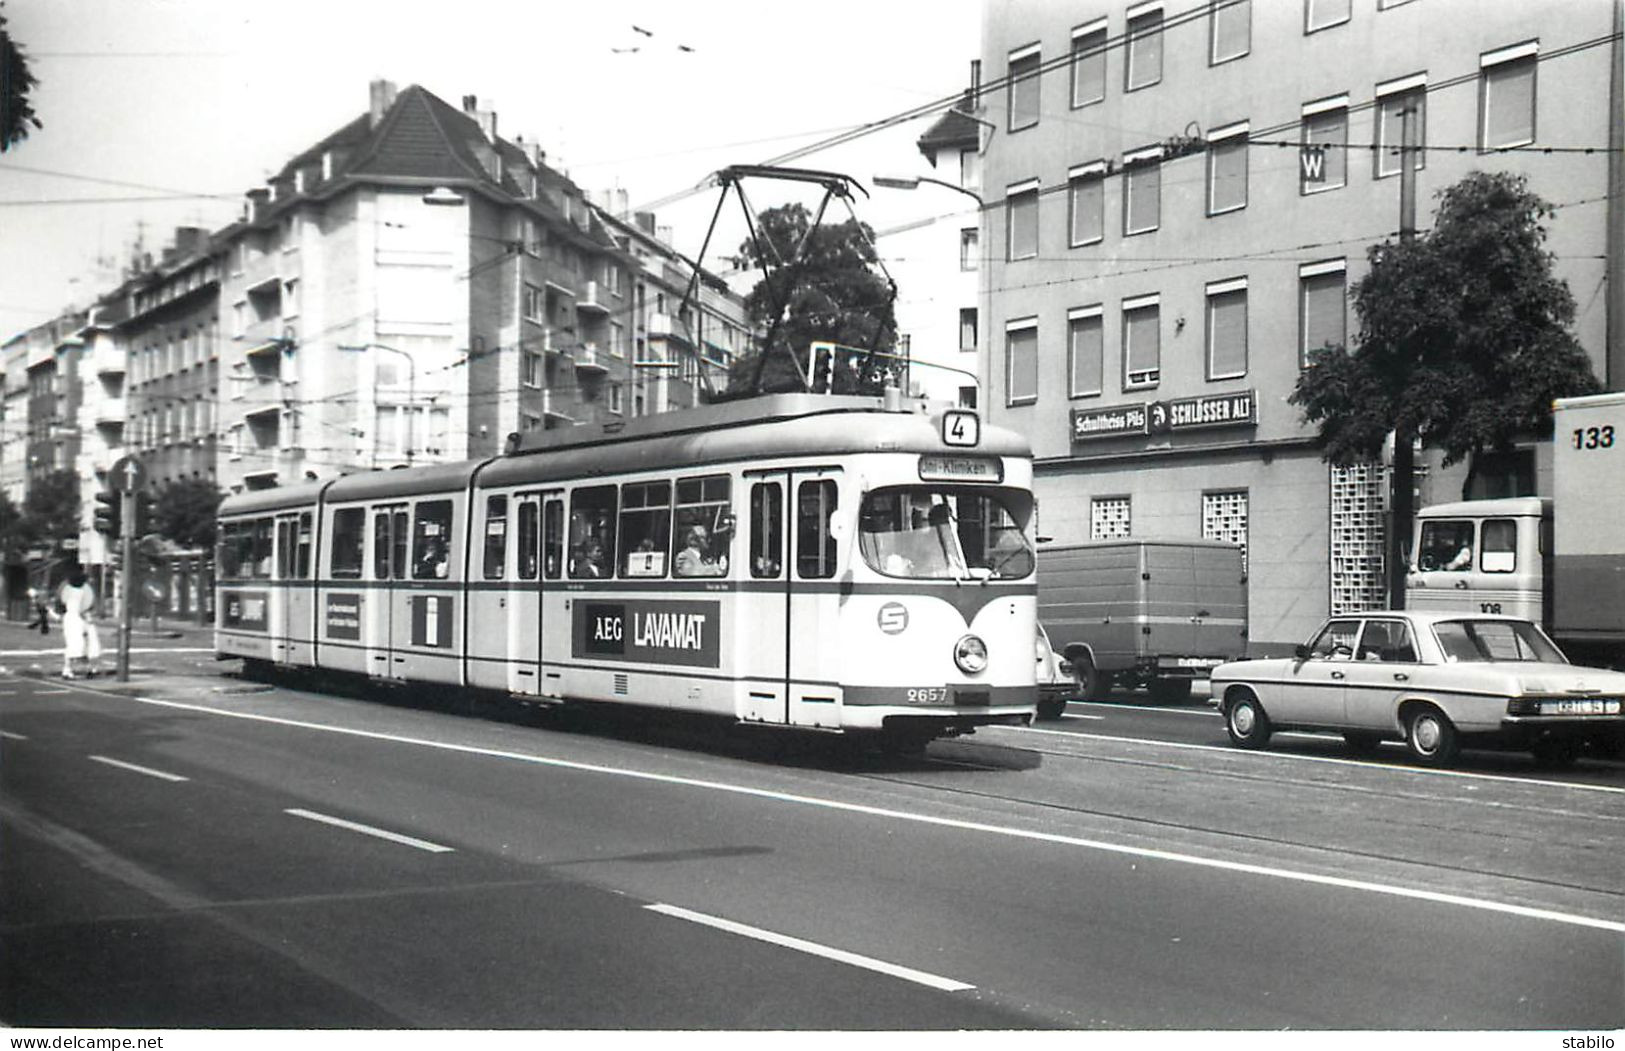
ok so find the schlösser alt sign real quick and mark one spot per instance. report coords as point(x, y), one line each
point(1235, 409)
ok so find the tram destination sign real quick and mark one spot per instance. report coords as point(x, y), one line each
point(1233, 409)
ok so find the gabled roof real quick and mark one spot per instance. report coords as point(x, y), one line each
point(422, 137)
point(954, 130)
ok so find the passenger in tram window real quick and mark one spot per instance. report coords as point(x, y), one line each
point(695, 559)
point(434, 563)
point(589, 562)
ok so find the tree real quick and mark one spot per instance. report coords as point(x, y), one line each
point(1463, 339)
point(16, 111)
point(185, 513)
point(11, 538)
point(51, 510)
point(828, 292)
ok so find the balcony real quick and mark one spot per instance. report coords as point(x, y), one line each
point(553, 413)
point(109, 411)
point(590, 361)
point(664, 326)
point(594, 299)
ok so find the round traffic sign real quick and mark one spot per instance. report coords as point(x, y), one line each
point(126, 475)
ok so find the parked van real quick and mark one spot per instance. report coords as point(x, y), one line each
point(1159, 613)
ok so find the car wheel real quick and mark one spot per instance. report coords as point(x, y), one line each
point(1361, 742)
point(1246, 723)
point(1051, 708)
point(1170, 691)
point(1431, 737)
point(1087, 678)
point(1556, 752)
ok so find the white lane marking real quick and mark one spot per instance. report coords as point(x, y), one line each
point(133, 649)
point(149, 771)
point(368, 830)
point(1265, 755)
point(813, 948)
point(8, 735)
point(49, 693)
point(1149, 708)
point(923, 819)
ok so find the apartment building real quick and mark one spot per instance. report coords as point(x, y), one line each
point(1163, 249)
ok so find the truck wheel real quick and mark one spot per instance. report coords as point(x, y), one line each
point(1246, 723)
point(1087, 677)
point(1431, 737)
point(1170, 691)
point(1051, 708)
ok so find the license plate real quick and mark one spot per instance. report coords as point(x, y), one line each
point(1590, 706)
point(1197, 662)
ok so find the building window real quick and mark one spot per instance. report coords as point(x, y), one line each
point(1023, 91)
point(1506, 97)
point(1323, 14)
point(1144, 49)
point(1142, 192)
point(1089, 64)
point(1227, 329)
point(1322, 314)
point(1224, 517)
point(1325, 124)
point(1086, 205)
point(531, 368)
point(970, 239)
point(1142, 342)
point(1086, 351)
point(970, 170)
point(1229, 30)
point(1109, 517)
point(1021, 362)
point(1227, 169)
point(617, 398)
point(1392, 99)
point(1021, 216)
point(535, 304)
point(967, 328)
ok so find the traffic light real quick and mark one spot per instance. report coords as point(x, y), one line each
point(107, 513)
point(145, 517)
point(829, 371)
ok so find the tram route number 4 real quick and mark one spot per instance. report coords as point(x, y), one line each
point(961, 428)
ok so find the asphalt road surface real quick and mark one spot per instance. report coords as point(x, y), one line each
point(197, 851)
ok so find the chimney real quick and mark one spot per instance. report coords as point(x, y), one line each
point(257, 200)
point(382, 94)
point(484, 116)
point(190, 239)
point(645, 221)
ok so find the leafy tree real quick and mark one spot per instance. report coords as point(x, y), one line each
point(828, 291)
point(51, 509)
point(1463, 339)
point(11, 538)
point(184, 513)
point(16, 111)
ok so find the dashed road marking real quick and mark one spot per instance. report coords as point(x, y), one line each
point(149, 771)
point(368, 830)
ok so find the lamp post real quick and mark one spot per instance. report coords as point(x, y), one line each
point(411, 386)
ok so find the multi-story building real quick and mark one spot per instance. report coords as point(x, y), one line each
point(100, 419)
point(1180, 198)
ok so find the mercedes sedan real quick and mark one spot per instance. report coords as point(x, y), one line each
point(1432, 680)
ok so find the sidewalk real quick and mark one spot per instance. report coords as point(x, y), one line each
point(24, 651)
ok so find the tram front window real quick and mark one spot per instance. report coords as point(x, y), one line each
point(921, 532)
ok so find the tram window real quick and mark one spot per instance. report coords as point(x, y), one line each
point(397, 545)
point(260, 550)
point(645, 528)
point(349, 538)
point(431, 540)
point(496, 537)
point(766, 529)
point(380, 547)
point(236, 547)
point(815, 543)
point(302, 560)
point(284, 549)
point(592, 531)
point(704, 529)
point(553, 538)
point(527, 540)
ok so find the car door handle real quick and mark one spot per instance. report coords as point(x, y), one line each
point(1400, 676)
point(1337, 675)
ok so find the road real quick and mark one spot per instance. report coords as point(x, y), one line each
point(191, 850)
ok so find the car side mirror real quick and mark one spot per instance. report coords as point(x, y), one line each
point(1301, 651)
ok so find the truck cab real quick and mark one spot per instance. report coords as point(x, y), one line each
point(1482, 556)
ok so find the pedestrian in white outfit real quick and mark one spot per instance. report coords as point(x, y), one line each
point(81, 641)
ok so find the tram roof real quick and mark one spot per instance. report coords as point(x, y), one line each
point(777, 426)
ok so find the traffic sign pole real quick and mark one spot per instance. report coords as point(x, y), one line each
point(127, 544)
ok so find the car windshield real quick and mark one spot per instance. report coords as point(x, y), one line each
point(1495, 640)
point(939, 533)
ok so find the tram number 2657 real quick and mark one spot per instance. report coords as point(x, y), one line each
point(927, 694)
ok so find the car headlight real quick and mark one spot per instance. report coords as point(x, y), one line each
point(970, 653)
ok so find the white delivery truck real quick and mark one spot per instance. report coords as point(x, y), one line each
point(1557, 561)
point(1159, 613)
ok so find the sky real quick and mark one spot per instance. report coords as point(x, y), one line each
point(163, 113)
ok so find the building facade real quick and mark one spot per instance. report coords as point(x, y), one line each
point(1163, 251)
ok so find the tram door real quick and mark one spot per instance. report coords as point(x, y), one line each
point(391, 530)
point(793, 627)
point(555, 613)
point(524, 620)
point(292, 621)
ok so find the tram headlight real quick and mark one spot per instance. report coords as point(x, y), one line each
point(970, 653)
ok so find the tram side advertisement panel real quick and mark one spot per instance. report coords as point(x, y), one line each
point(649, 631)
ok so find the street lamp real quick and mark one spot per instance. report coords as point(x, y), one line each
point(912, 182)
point(411, 386)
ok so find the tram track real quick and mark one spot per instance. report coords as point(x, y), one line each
point(1249, 843)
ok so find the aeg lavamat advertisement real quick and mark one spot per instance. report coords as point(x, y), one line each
point(653, 632)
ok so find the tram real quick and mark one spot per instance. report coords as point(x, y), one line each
point(830, 563)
